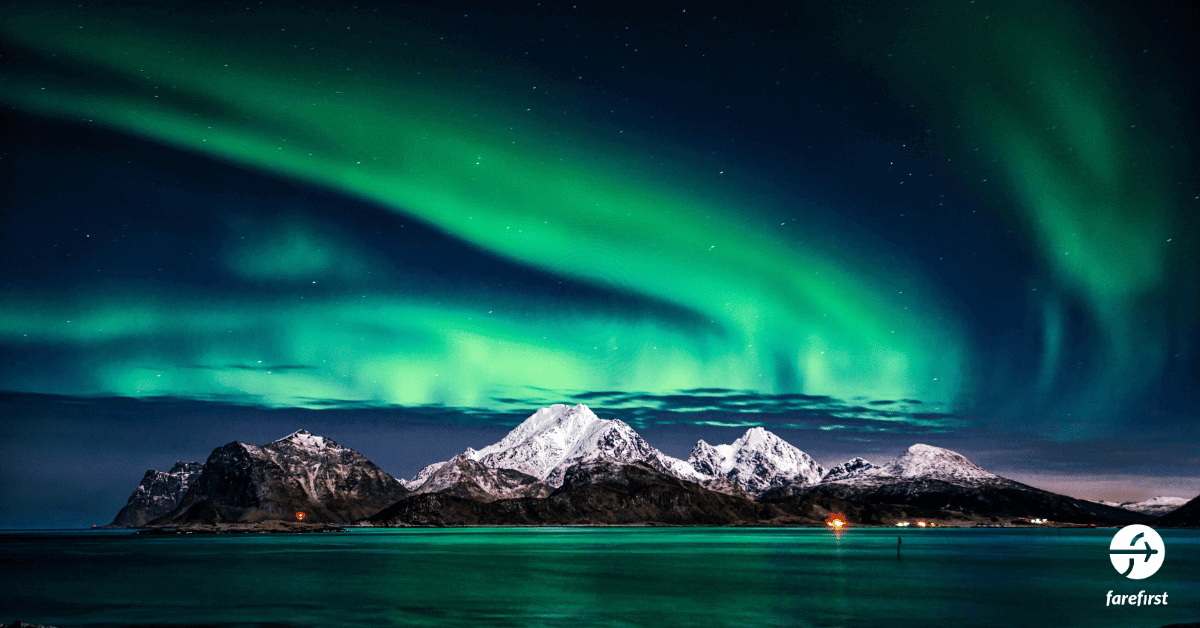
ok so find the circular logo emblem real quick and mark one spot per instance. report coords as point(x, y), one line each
point(1137, 551)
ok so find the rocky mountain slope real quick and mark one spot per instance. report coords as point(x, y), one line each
point(157, 494)
point(603, 492)
point(598, 491)
point(756, 462)
point(852, 467)
point(242, 483)
point(467, 478)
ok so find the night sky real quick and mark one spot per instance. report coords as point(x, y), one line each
point(971, 224)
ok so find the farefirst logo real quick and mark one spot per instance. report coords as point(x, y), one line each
point(1141, 599)
point(1137, 552)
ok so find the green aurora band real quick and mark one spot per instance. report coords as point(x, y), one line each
point(1085, 136)
point(570, 193)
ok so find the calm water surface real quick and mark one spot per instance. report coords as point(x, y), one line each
point(588, 577)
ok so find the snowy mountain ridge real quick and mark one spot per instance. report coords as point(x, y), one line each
point(557, 437)
point(1156, 506)
point(554, 438)
point(756, 462)
point(852, 467)
point(918, 462)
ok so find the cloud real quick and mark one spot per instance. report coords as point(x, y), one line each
point(247, 367)
point(746, 408)
point(272, 367)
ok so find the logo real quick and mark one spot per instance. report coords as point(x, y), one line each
point(1136, 551)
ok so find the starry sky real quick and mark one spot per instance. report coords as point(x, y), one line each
point(407, 227)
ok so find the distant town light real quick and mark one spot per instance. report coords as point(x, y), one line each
point(836, 522)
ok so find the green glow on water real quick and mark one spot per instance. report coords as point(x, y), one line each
point(590, 577)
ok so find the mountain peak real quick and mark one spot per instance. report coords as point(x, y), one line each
point(756, 461)
point(301, 472)
point(756, 435)
point(855, 467)
point(929, 462)
point(553, 438)
point(157, 494)
point(544, 444)
point(305, 440)
point(558, 425)
point(186, 467)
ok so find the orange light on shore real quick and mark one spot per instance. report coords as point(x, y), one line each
point(299, 516)
point(922, 524)
point(836, 522)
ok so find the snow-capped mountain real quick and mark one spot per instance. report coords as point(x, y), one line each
point(554, 438)
point(1157, 506)
point(299, 473)
point(156, 495)
point(919, 462)
point(852, 468)
point(756, 462)
point(935, 463)
point(1185, 516)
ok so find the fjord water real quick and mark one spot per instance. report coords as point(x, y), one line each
point(589, 577)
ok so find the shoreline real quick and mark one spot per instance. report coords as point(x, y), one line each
point(264, 527)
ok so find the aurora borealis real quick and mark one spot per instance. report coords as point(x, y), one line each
point(960, 221)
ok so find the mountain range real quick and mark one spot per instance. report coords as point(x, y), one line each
point(1157, 506)
point(565, 465)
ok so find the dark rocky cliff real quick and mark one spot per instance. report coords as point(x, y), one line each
point(243, 483)
point(156, 495)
